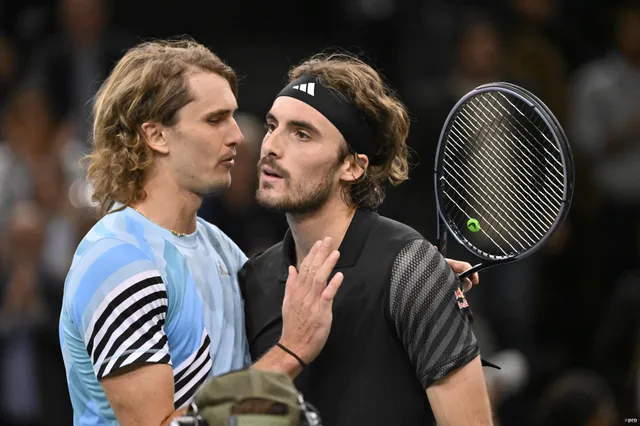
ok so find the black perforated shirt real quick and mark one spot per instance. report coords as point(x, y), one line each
point(399, 324)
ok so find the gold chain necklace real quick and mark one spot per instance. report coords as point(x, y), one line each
point(176, 233)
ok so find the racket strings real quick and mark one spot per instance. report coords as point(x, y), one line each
point(549, 161)
point(498, 143)
point(499, 176)
point(501, 166)
point(481, 230)
point(485, 204)
point(507, 198)
point(541, 148)
point(484, 199)
point(503, 139)
point(501, 171)
point(534, 118)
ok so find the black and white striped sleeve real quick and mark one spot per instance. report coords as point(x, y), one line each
point(128, 325)
point(429, 313)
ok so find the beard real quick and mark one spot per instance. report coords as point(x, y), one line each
point(299, 198)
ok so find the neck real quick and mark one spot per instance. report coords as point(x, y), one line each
point(331, 220)
point(169, 205)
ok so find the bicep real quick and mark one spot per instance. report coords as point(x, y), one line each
point(461, 397)
point(141, 394)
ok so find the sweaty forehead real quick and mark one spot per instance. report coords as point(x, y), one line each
point(286, 109)
point(210, 90)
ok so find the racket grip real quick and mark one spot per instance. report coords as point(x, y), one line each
point(470, 271)
point(442, 242)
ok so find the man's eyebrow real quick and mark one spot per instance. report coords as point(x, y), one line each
point(222, 111)
point(270, 116)
point(302, 124)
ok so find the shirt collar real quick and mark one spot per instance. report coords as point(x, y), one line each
point(350, 249)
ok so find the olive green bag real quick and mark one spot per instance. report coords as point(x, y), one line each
point(249, 398)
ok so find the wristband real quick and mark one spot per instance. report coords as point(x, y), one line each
point(290, 352)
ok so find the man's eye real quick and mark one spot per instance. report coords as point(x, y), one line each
point(302, 135)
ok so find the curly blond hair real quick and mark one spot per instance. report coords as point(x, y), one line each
point(148, 84)
point(364, 87)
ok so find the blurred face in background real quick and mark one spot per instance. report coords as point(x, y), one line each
point(537, 11)
point(481, 51)
point(84, 19)
point(24, 234)
point(243, 173)
point(302, 159)
point(29, 125)
point(628, 34)
point(199, 149)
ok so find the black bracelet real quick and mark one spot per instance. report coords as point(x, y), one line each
point(290, 352)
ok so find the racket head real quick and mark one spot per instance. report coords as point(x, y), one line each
point(537, 173)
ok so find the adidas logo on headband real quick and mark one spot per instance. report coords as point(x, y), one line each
point(306, 88)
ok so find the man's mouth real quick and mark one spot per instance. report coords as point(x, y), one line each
point(271, 173)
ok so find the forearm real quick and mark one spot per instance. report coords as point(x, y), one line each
point(280, 361)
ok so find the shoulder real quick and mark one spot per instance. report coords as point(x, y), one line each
point(393, 228)
point(267, 262)
point(261, 270)
point(388, 237)
point(102, 265)
point(219, 239)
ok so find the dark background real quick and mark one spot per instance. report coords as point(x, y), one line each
point(564, 323)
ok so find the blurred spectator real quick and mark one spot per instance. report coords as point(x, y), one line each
point(21, 313)
point(236, 211)
point(479, 60)
point(71, 66)
point(579, 398)
point(605, 132)
point(616, 347)
point(38, 162)
point(7, 68)
point(534, 58)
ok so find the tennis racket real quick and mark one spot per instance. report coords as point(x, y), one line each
point(504, 175)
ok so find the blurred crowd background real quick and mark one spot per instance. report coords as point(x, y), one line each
point(564, 324)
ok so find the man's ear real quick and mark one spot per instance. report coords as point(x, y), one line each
point(354, 167)
point(154, 137)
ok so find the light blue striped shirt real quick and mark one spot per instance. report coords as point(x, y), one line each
point(137, 293)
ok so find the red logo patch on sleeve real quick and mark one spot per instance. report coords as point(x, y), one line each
point(460, 299)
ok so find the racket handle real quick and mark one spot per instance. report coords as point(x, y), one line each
point(442, 239)
point(471, 271)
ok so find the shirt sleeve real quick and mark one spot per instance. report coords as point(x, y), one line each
point(120, 306)
point(430, 313)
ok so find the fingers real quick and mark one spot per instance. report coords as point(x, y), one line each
point(466, 284)
point(330, 291)
point(318, 261)
point(460, 267)
point(292, 275)
point(322, 274)
point(306, 263)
